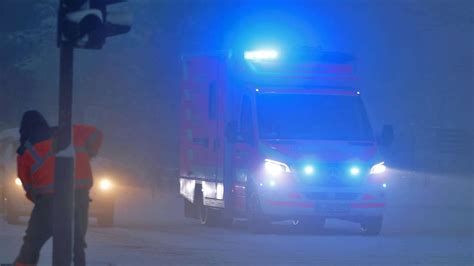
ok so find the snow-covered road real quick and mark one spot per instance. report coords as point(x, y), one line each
point(151, 231)
point(186, 243)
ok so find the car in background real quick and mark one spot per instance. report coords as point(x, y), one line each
point(14, 203)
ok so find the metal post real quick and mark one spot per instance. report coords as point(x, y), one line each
point(63, 213)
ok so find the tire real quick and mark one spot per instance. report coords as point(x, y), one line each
point(207, 215)
point(310, 225)
point(372, 226)
point(257, 222)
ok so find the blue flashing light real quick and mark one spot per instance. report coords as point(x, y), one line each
point(355, 171)
point(384, 185)
point(309, 170)
point(272, 183)
point(258, 55)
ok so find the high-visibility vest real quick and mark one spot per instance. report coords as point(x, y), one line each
point(35, 164)
point(87, 141)
point(36, 161)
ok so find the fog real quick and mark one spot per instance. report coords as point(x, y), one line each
point(415, 61)
point(414, 58)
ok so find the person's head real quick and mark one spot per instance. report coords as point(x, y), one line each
point(33, 124)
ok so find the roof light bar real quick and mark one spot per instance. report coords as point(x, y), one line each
point(257, 55)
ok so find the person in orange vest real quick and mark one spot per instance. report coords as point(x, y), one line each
point(35, 161)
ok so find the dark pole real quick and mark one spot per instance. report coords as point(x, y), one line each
point(63, 213)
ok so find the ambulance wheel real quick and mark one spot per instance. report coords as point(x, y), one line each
point(207, 215)
point(372, 226)
point(210, 217)
point(257, 222)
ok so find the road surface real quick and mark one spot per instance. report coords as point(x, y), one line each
point(151, 231)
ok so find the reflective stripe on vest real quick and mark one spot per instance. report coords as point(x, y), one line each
point(89, 141)
point(38, 164)
point(38, 160)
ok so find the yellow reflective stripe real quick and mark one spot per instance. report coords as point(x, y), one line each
point(89, 141)
point(38, 165)
point(38, 160)
point(35, 155)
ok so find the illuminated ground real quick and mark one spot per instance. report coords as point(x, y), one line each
point(150, 231)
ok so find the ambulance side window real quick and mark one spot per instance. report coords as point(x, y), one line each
point(246, 124)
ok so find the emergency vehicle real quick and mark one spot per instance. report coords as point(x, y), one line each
point(273, 135)
point(12, 195)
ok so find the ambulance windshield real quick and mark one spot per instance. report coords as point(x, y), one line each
point(315, 117)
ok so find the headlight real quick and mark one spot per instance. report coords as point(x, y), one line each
point(354, 171)
point(275, 167)
point(105, 184)
point(378, 169)
point(309, 170)
point(18, 182)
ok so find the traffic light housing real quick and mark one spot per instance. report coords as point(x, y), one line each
point(87, 23)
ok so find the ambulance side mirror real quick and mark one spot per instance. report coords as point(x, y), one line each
point(387, 136)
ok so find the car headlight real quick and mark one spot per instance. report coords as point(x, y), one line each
point(378, 169)
point(275, 168)
point(18, 182)
point(105, 184)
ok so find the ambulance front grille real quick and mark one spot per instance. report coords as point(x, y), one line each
point(332, 196)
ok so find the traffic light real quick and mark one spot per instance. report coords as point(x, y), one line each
point(87, 23)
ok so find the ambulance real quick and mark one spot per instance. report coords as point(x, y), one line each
point(271, 135)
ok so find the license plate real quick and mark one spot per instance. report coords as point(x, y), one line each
point(332, 208)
